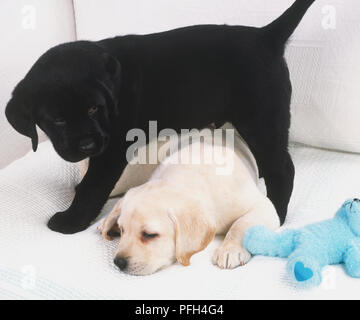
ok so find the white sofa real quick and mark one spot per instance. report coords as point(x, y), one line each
point(324, 60)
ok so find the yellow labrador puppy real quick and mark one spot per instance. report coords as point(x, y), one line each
point(180, 209)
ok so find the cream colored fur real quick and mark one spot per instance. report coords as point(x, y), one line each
point(183, 206)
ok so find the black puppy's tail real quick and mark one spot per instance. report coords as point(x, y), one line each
point(280, 30)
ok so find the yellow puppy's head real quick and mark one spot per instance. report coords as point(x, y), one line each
point(157, 225)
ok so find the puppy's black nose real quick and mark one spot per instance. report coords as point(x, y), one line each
point(121, 263)
point(87, 145)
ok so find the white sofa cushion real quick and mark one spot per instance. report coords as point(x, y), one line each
point(38, 263)
point(324, 63)
point(29, 28)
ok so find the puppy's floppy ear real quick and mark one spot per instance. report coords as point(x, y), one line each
point(109, 228)
point(20, 116)
point(194, 231)
point(112, 66)
point(111, 101)
point(111, 81)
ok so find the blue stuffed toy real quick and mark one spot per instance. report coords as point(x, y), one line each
point(313, 247)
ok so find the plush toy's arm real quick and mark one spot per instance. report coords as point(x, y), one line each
point(352, 258)
point(261, 241)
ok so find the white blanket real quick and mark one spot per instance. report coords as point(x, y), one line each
point(40, 264)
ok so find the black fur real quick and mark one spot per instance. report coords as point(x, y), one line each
point(184, 78)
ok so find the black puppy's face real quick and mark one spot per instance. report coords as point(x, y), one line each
point(70, 94)
point(78, 127)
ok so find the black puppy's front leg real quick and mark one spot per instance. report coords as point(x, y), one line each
point(91, 194)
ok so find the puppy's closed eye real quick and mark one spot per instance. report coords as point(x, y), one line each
point(145, 236)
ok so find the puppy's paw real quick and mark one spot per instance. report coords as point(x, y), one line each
point(230, 255)
point(107, 230)
point(66, 223)
point(100, 226)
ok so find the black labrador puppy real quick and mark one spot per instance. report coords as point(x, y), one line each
point(87, 95)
